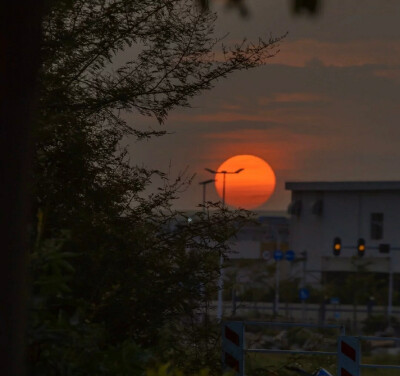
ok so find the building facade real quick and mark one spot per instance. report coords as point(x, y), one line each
point(259, 240)
point(352, 213)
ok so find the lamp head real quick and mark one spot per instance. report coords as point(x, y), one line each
point(207, 181)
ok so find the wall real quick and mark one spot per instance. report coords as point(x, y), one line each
point(346, 214)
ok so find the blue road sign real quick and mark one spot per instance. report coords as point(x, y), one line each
point(289, 255)
point(335, 300)
point(278, 255)
point(304, 294)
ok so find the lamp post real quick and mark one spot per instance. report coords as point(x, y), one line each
point(221, 259)
point(204, 183)
point(224, 174)
point(277, 238)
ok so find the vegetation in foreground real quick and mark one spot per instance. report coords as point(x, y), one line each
point(119, 277)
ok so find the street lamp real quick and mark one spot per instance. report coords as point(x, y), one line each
point(204, 183)
point(221, 259)
point(223, 185)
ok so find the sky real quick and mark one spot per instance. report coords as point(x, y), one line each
point(326, 108)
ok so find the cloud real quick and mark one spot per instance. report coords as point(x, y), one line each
point(300, 119)
point(229, 106)
point(299, 53)
point(228, 117)
point(279, 147)
point(392, 74)
point(299, 97)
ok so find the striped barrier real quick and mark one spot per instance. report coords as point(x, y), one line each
point(348, 356)
point(232, 345)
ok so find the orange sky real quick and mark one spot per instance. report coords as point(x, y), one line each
point(325, 108)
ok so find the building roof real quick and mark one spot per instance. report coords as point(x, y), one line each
point(344, 186)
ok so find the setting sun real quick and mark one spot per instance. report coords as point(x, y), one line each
point(251, 187)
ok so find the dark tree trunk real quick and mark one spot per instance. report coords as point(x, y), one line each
point(19, 61)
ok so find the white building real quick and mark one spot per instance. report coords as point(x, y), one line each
point(322, 211)
point(258, 240)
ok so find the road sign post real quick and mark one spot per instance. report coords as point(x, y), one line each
point(290, 255)
point(278, 256)
point(266, 255)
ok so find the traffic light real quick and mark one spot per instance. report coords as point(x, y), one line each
point(361, 247)
point(337, 246)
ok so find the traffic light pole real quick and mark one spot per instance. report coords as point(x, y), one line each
point(390, 290)
point(277, 276)
point(303, 303)
point(277, 289)
point(383, 248)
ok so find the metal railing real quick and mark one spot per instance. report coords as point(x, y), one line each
point(377, 366)
point(348, 347)
point(288, 325)
point(233, 353)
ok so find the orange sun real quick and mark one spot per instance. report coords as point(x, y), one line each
point(249, 188)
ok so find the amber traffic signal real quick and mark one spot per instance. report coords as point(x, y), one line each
point(337, 246)
point(361, 247)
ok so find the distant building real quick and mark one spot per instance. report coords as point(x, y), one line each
point(251, 265)
point(260, 239)
point(350, 211)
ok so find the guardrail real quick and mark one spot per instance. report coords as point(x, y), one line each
point(234, 347)
point(307, 312)
point(348, 347)
point(377, 366)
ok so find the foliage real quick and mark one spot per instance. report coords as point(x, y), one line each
point(378, 323)
point(263, 282)
point(71, 331)
point(283, 365)
point(381, 359)
point(368, 284)
point(117, 274)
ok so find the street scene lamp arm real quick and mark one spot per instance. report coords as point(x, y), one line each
point(233, 172)
point(207, 181)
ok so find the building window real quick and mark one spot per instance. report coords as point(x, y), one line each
point(376, 226)
point(317, 207)
point(295, 207)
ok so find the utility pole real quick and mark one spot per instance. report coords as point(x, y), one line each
point(204, 184)
point(276, 305)
point(221, 259)
point(277, 272)
point(303, 282)
point(390, 290)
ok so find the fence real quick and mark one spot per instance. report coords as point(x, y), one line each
point(355, 355)
point(348, 347)
point(234, 346)
point(306, 313)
